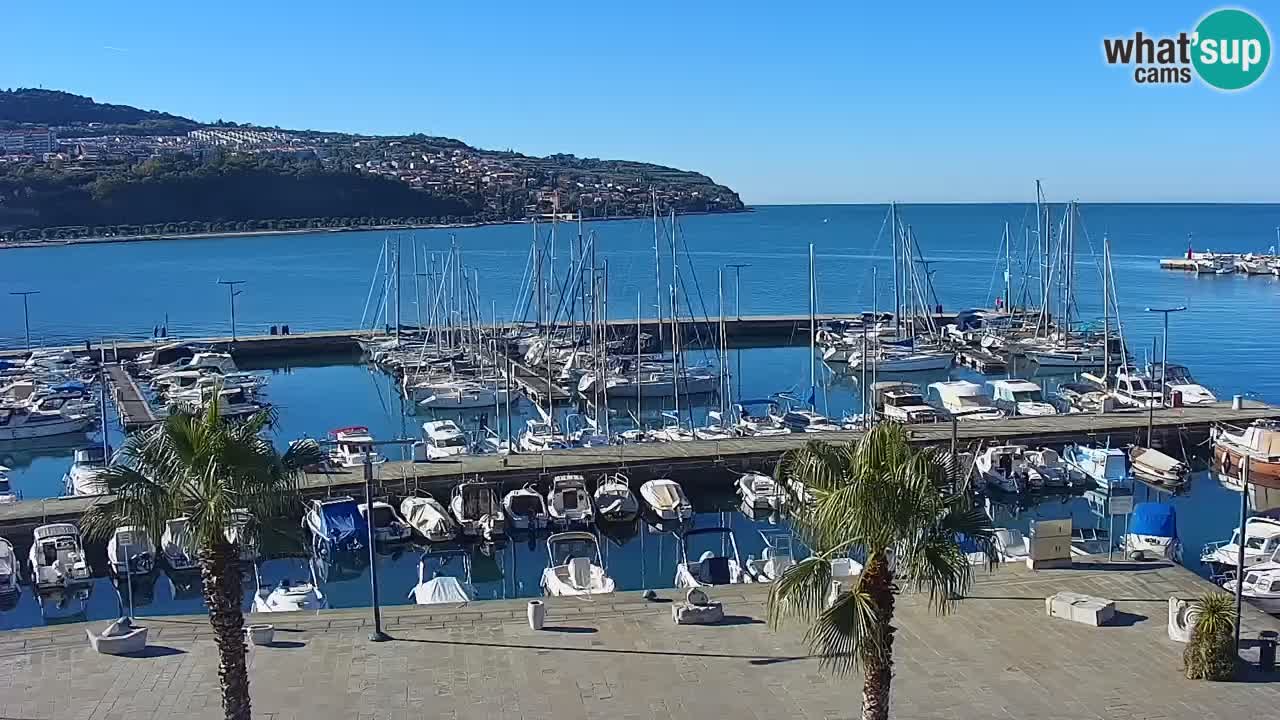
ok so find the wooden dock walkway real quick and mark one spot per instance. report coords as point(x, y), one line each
point(716, 462)
point(134, 408)
point(535, 385)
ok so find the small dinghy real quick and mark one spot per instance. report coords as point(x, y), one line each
point(667, 499)
point(429, 518)
point(759, 491)
point(336, 525)
point(720, 566)
point(1157, 468)
point(776, 559)
point(288, 596)
point(436, 586)
point(614, 500)
point(526, 508)
point(388, 526)
point(574, 566)
point(568, 502)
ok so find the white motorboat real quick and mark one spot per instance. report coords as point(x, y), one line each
point(336, 525)
point(1158, 468)
point(717, 566)
point(656, 380)
point(1090, 541)
point(1261, 542)
point(614, 500)
point(429, 518)
point(1045, 469)
point(459, 395)
point(9, 570)
point(207, 360)
point(807, 421)
point(1020, 397)
point(81, 478)
point(667, 499)
point(750, 421)
point(131, 552)
point(574, 566)
point(387, 525)
point(1104, 466)
point(288, 596)
point(444, 439)
point(1153, 532)
point(1067, 356)
point(1133, 390)
point(475, 506)
point(539, 436)
point(526, 508)
point(964, 400)
point(7, 494)
point(1177, 379)
point(759, 491)
point(1261, 586)
point(902, 402)
point(1004, 468)
point(178, 545)
point(57, 557)
point(354, 447)
point(568, 502)
point(242, 533)
point(776, 559)
point(20, 422)
point(437, 587)
point(890, 359)
point(1082, 397)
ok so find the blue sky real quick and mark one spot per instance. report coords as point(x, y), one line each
point(785, 102)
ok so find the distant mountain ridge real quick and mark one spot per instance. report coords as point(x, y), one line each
point(55, 107)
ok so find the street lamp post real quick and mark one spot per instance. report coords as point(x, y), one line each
point(26, 318)
point(737, 313)
point(232, 292)
point(1164, 353)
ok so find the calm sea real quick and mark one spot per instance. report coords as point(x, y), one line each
point(325, 281)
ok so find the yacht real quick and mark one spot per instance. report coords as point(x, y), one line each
point(429, 518)
point(539, 436)
point(10, 569)
point(444, 439)
point(903, 403)
point(336, 525)
point(1020, 397)
point(717, 566)
point(1261, 542)
point(1046, 469)
point(1004, 468)
point(288, 596)
point(354, 447)
point(568, 502)
point(759, 491)
point(656, 380)
point(206, 360)
point(477, 510)
point(57, 557)
point(178, 545)
point(1082, 397)
point(667, 499)
point(964, 400)
point(387, 525)
point(807, 421)
point(1153, 532)
point(1133, 390)
point(1178, 379)
point(21, 422)
point(81, 478)
point(671, 430)
point(1261, 586)
point(574, 566)
point(130, 552)
point(526, 508)
point(891, 359)
point(459, 395)
point(1261, 443)
point(437, 587)
point(614, 500)
point(1106, 467)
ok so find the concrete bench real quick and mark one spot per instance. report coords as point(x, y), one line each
point(1084, 609)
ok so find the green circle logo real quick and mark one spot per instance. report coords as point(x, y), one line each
point(1232, 49)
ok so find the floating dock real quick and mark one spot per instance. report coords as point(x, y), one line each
point(134, 408)
point(718, 461)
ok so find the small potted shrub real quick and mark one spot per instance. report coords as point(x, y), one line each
point(1211, 654)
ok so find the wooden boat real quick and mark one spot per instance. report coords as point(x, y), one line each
point(1261, 443)
point(1157, 468)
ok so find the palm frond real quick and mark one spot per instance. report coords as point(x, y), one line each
point(842, 633)
point(801, 592)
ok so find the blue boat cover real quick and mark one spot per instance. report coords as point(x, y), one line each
point(1155, 519)
point(342, 520)
point(70, 386)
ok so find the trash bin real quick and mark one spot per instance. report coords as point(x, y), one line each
point(1267, 650)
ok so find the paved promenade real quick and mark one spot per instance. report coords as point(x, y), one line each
point(621, 658)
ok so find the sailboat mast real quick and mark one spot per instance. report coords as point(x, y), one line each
point(720, 304)
point(813, 326)
point(1008, 271)
point(639, 389)
point(657, 267)
point(897, 302)
point(1106, 315)
point(675, 353)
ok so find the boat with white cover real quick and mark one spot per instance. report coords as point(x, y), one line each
point(130, 551)
point(574, 566)
point(436, 586)
point(1020, 397)
point(964, 400)
point(178, 545)
point(388, 526)
point(1261, 542)
point(429, 518)
point(614, 500)
point(1153, 532)
point(759, 491)
point(81, 478)
point(57, 557)
point(526, 508)
point(477, 510)
point(336, 525)
point(667, 499)
point(715, 566)
point(568, 502)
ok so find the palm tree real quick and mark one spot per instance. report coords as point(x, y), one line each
point(1211, 654)
point(205, 466)
point(904, 510)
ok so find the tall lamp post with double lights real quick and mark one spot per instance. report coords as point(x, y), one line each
point(26, 317)
point(1164, 352)
point(232, 292)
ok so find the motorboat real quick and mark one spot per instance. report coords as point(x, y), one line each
point(1090, 541)
point(203, 360)
point(1133, 390)
point(459, 395)
point(81, 478)
point(715, 429)
point(715, 566)
point(964, 400)
point(130, 552)
point(655, 378)
point(242, 533)
point(1261, 543)
point(671, 431)
point(667, 499)
point(1179, 383)
point(574, 566)
point(758, 418)
point(776, 558)
point(429, 518)
point(568, 502)
point(178, 545)
point(444, 439)
point(388, 526)
point(539, 436)
point(1046, 469)
point(436, 586)
point(1106, 467)
point(759, 491)
point(57, 557)
point(1153, 532)
point(1157, 468)
point(233, 402)
point(526, 508)
point(288, 596)
point(799, 420)
point(1082, 397)
point(1004, 468)
point(336, 525)
point(21, 422)
point(353, 447)
point(902, 402)
point(10, 569)
point(1020, 397)
point(1260, 442)
point(7, 494)
point(475, 506)
point(1261, 586)
point(614, 500)
point(891, 359)
point(1066, 352)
